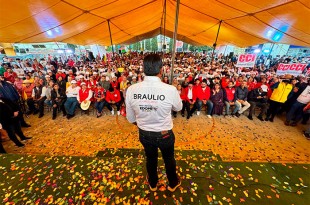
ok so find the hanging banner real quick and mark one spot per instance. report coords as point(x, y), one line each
point(294, 69)
point(246, 60)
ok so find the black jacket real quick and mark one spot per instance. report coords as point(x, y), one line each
point(6, 114)
point(241, 94)
point(61, 97)
point(255, 93)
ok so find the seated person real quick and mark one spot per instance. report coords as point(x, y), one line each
point(113, 97)
point(258, 97)
point(58, 97)
point(229, 99)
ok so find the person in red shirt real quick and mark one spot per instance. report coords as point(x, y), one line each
point(203, 98)
point(251, 84)
point(9, 75)
point(114, 82)
point(61, 73)
point(230, 99)
point(225, 81)
point(84, 94)
point(100, 102)
point(113, 97)
point(189, 98)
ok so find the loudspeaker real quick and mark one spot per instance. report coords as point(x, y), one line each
point(164, 46)
point(119, 51)
point(91, 56)
point(204, 51)
point(231, 54)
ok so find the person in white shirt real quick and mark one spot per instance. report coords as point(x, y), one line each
point(149, 105)
point(71, 102)
point(39, 96)
point(295, 114)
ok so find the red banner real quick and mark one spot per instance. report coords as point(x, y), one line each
point(294, 69)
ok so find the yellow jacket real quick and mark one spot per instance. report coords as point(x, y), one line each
point(281, 92)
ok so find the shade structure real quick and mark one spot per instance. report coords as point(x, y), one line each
point(245, 22)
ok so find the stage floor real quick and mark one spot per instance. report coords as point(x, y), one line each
point(234, 139)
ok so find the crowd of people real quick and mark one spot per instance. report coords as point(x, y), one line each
point(27, 86)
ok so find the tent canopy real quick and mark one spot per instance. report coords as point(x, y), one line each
point(84, 22)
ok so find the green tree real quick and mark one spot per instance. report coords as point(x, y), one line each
point(136, 46)
point(192, 48)
point(185, 46)
point(170, 45)
point(154, 44)
point(147, 44)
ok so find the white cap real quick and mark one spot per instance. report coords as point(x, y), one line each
point(264, 88)
point(95, 73)
point(81, 76)
point(83, 83)
point(73, 82)
point(47, 76)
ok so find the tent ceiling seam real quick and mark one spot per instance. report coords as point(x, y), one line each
point(31, 15)
point(199, 11)
point(252, 14)
point(52, 28)
point(203, 30)
point(84, 30)
point(133, 9)
point(280, 30)
point(103, 5)
point(120, 28)
point(83, 10)
point(304, 4)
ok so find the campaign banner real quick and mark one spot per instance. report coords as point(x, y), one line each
point(294, 69)
point(246, 60)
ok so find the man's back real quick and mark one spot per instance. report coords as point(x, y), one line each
point(150, 102)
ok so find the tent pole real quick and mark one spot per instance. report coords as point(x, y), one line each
point(165, 5)
point(214, 45)
point(111, 37)
point(174, 39)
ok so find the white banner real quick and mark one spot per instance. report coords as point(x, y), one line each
point(246, 60)
point(294, 69)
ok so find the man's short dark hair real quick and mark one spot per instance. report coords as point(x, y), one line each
point(152, 64)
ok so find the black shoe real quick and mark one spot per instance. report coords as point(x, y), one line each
point(41, 115)
point(250, 117)
point(29, 112)
point(26, 138)
point(70, 116)
point(183, 115)
point(293, 124)
point(64, 114)
point(25, 125)
point(54, 117)
point(36, 112)
point(260, 118)
point(237, 114)
point(306, 135)
point(287, 123)
point(173, 188)
point(188, 116)
point(174, 115)
point(20, 145)
point(271, 119)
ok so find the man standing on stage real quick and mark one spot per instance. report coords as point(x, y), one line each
point(148, 105)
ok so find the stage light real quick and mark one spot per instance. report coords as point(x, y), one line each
point(257, 50)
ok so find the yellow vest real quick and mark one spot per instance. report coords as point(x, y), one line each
point(281, 92)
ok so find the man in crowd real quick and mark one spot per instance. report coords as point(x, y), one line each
point(241, 98)
point(71, 102)
point(258, 98)
point(38, 96)
point(230, 99)
point(203, 98)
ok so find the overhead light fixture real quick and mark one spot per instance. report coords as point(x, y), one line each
point(257, 50)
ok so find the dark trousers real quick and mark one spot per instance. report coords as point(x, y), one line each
point(100, 105)
point(40, 104)
point(30, 104)
point(261, 105)
point(274, 107)
point(186, 106)
point(60, 105)
point(151, 141)
point(118, 105)
point(12, 129)
point(296, 112)
point(2, 150)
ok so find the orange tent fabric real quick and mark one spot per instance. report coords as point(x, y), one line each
point(84, 22)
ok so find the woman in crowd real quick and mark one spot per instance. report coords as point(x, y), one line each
point(217, 98)
point(58, 97)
